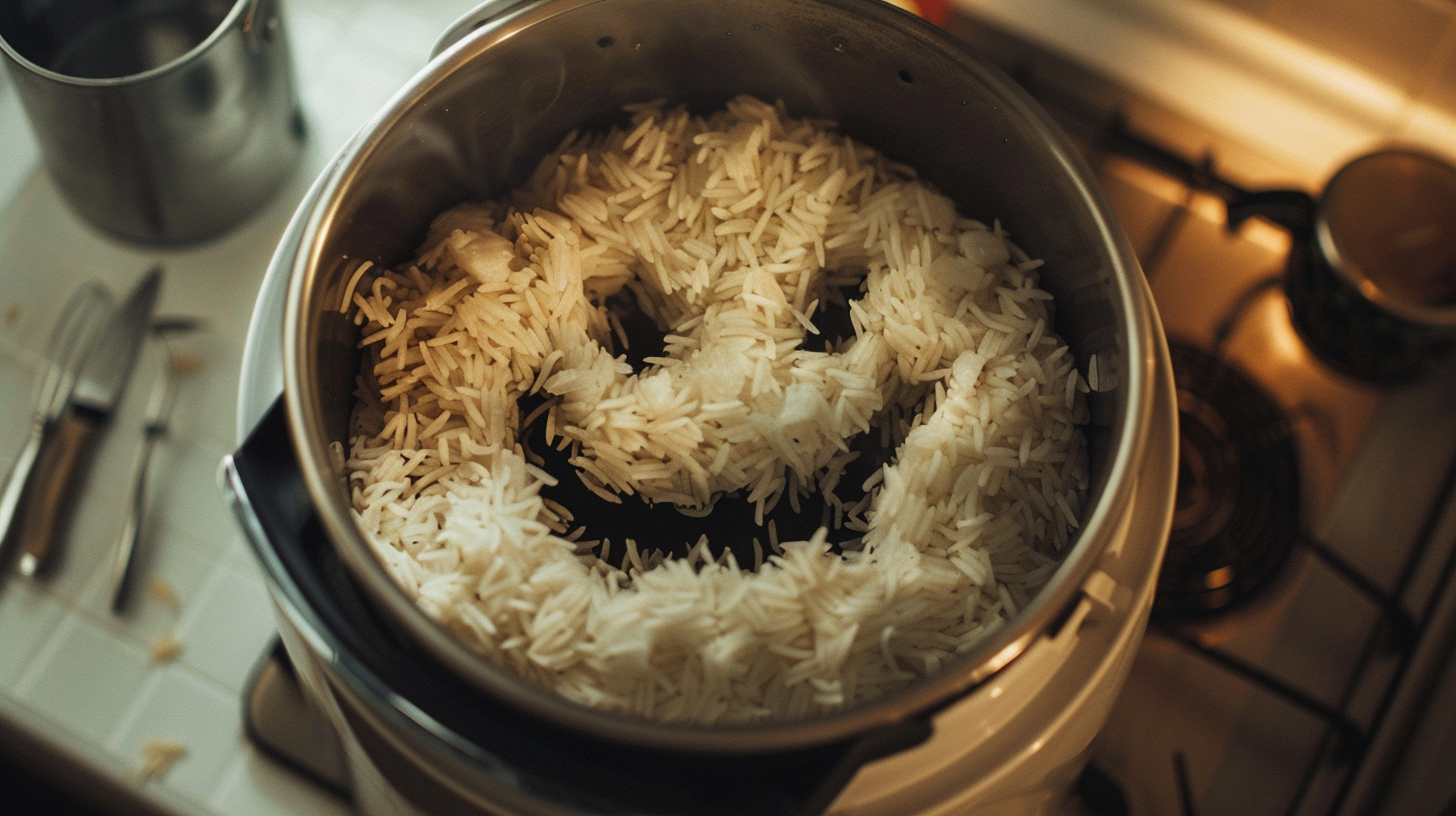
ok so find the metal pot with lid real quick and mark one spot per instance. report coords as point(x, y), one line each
point(506, 84)
point(1371, 275)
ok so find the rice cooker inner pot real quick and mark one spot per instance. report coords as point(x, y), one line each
point(475, 122)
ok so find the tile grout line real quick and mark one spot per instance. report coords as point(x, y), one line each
point(26, 679)
point(112, 743)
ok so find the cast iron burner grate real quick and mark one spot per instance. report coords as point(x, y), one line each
point(1345, 750)
point(1237, 515)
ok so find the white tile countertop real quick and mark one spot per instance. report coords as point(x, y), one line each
point(74, 678)
point(83, 683)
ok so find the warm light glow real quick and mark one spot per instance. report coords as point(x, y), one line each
point(1006, 655)
point(1281, 342)
point(1219, 578)
point(1261, 232)
point(1148, 180)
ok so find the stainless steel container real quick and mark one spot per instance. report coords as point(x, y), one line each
point(1371, 275)
point(506, 85)
point(160, 122)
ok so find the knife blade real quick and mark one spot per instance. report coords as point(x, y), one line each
point(97, 391)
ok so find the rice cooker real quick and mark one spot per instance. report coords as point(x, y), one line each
point(430, 727)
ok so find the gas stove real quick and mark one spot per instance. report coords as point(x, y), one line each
point(1298, 658)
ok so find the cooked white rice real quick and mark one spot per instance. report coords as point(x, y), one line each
point(731, 232)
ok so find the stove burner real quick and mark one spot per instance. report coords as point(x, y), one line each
point(1237, 514)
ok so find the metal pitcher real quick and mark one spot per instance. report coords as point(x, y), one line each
point(160, 121)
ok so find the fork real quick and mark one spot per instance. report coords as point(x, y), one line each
point(75, 331)
point(159, 410)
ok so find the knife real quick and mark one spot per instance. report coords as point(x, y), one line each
point(97, 391)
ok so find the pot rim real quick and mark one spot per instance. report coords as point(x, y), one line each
point(919, 698)
point(1349, 269)
point(229, 21)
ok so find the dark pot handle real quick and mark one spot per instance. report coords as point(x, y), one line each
point(1294, 210)
point(545, 760)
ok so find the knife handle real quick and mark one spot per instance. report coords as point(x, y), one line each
point(48, 506)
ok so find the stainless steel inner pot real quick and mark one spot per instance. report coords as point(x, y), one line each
point(510, 83)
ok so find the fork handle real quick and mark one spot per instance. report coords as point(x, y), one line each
point(17, 480)
point(48, 508)
point(131, 530)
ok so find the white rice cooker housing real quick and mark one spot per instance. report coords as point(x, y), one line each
point(1012, 748)
point(1014, 745)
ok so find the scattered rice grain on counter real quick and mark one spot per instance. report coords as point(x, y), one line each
point(731, 233)
point(158, 757)
point(185, 364)
point(162, 590)
point(166, 649)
